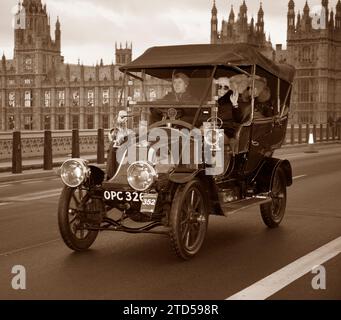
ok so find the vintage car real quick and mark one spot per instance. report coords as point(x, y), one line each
point(181, 151)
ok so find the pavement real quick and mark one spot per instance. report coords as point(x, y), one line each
point(240, 258)
point(33, 168)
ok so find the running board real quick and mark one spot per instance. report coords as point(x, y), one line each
point(234, 207)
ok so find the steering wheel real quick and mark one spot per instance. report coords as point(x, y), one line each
point(216, 121)
point(179, 123)
point(165, 113)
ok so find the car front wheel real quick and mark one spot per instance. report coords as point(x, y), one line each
point(189, 219)
point(73, 205)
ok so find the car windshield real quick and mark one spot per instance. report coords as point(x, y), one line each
point(180, 86)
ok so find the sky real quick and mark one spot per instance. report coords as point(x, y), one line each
point(90, 28)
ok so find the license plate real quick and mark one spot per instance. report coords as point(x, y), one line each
point(123, 196)
point(149, 201)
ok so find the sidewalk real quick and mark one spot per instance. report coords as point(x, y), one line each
point(32, 169)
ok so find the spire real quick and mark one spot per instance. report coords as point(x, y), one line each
point(214, 24)
point(243, 17)
point(338, 15)
point(291, 4)
point(214, 9)
point(298, 26)
point(58, 24)
point(252, 27)
point(58, 35)
point(306, 9)
point(291, 16)
point(243, 7)
point(306, 23)
point(260, 20)
point(3, 62)
point(331, 20)
point(261, 11)
point(325, 4)
point(232, 15)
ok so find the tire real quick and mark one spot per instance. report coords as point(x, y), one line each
point(188, 219)
point(76, 239)
point(273, 212)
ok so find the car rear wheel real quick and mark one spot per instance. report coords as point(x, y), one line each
point(73, 204)
point(189, 219)
point(273, 212)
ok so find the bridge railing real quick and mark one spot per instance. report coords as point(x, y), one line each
point(299, 134)
point(48, 145)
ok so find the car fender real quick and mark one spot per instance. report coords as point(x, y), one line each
point(265, 175)
point(183, 176)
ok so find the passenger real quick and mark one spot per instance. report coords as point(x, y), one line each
point(224, 102)
point(241, 98)
point(180, 86)
point(263, 104)
point(242, 105)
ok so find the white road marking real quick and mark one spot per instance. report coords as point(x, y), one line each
point(4, 204)
point(5, 185)
point(299, 177)
point(270, 285)
point(32, 182)
point(5, 254)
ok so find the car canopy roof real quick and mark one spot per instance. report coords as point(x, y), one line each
point(207, 55)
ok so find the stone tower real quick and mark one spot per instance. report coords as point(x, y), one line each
point(315, 51)
point(123, 55)
point(34, 51)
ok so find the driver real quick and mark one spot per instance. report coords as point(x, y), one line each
point(180, 94)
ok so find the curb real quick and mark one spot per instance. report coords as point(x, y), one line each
point(325, 143)
point(28, 175)
point(10, 177)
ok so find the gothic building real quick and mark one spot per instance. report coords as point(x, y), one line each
point(38, 90)
point(239, 30)
point(314, 48)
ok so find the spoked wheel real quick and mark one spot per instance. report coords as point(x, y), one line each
point(273, 212)
point(72, 205)
point(189, 219)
